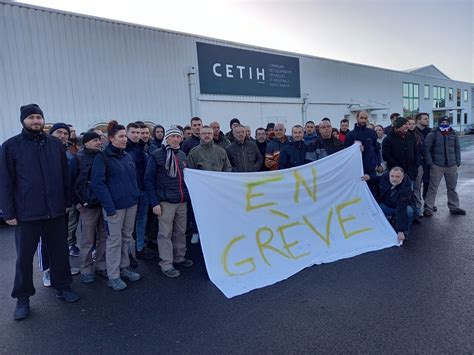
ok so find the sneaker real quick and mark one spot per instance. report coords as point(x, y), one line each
point(73, 251)
point(184, 263)
point(129, 275)
point(133, 262)
point(459, 211)
point(146, 253)
point(195, 238)
point(88, 277)
point(102, 273)
point(117, 284)
point(22, 309)
point(46, 278)
point(67, 295)
point(427, 213)
point(171, 272)
point(75, 271)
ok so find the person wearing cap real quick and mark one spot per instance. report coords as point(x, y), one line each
point(34, 197)
point(91, 226)
point(229, 135)
point(62, 131)
point(114, 182)
point(443, 155)
point(399, 148)
point(168, 195)
point(368, 140)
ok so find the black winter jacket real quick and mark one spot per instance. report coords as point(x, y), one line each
point(159, 185)
point(82, 188)
point(244, 157)
point(190, 143)
point(34, 177)
point(401, 151)
point(398, 198)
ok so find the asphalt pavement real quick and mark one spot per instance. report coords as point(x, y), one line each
point(415, 299)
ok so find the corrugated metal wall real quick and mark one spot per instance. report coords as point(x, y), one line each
point(84, 70)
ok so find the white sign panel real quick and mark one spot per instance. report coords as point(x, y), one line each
point(260, 228)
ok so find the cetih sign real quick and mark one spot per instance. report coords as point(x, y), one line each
point(233, 71)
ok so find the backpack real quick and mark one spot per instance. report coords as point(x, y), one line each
point(82, 187)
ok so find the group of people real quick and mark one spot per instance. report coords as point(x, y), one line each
point(99, 196)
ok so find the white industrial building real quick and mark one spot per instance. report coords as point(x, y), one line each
point(85, 71)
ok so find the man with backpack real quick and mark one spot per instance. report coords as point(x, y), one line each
point(91, 222)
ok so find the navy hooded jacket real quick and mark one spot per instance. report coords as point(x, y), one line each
point(293, 154)
point(114, 180)
point(371, 153)
point(34, 177)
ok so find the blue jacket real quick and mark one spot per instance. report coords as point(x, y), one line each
point(398, 198)
point(292, 154)
point(139, 155)
point(371, 153)
point(161, 187)
point(309, 138)
point(114, 180)
point(34, 177)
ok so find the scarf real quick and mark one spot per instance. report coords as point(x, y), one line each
point(170, 164)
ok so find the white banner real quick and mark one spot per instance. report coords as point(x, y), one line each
point(260, 228)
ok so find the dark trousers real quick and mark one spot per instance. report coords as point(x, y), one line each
point(54, 236)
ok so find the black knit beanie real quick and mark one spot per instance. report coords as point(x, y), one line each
point(31, 109)
point(59, 125)
point(88, 136)
point(232, 121)
point(399, 121)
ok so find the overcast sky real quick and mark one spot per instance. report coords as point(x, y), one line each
point(391, 34)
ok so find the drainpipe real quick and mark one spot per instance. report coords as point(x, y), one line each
point(304, 109)
point(191, 72)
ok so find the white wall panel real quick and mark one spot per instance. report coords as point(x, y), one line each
point(85, 70)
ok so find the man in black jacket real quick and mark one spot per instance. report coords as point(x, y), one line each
point(243, 154)
point(325, 144)
point(34, 197)
point(91, 218)
point(399, 148)
point(395, 199)
point(194, 140)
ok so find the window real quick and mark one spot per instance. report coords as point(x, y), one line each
point(450, 94)
point(385, 117)
point(458, 97)
point(458, 117)
point(411, 105)
point(427, 92)
point(465, 117)
point(439, 97)
point(373, 118)
point(465, 95)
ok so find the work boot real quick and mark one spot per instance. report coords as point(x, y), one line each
point(22, 309)
point(458, 210)
point(67, 295)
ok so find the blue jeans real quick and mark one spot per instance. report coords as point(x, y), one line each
point(390, 212)
point(140, 224)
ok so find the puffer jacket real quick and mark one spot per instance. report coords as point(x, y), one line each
point(442, 150)
point(159, 185)
point(292, 155)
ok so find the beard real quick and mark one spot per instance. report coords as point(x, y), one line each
point(35, 128)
